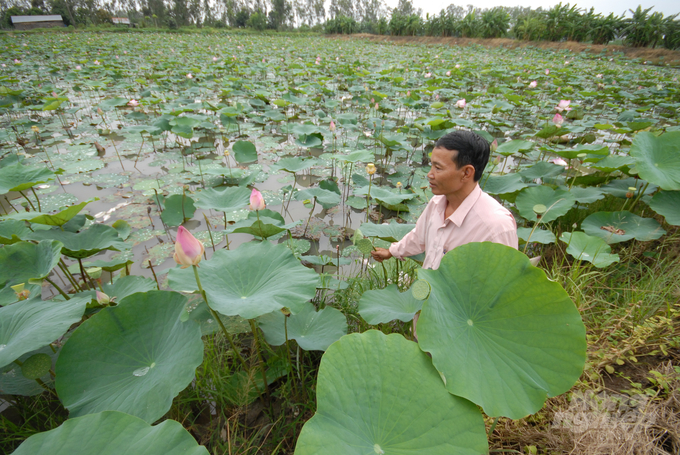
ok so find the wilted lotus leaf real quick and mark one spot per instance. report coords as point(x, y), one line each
point(385, 305)
point(31, 324)
point(255, 279)
point(584, 247)
point(615, 227)
point(313, 330)
point(379, 394)
point(134, 357)
point(112, 433)
point(667, 204)
point(557, 203)
point(657, 158)
point(501, 334)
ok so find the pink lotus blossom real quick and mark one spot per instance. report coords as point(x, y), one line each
point(558, 120)
point(428, 74)
point(188, 249)
point(17, 61)
point(599, 76)
point(54, 94)
point(448, 73)
point(78, 67)
point(96, 62)
point(457, 66)
point(533, 84)
point(133, 103)
point(559, 161)
point(189, 76)
point(547, 72)
point(563, 106)
point(460, 104)
point(256, 200)
point(124, 52)
point(4, 66)
point(215, 59)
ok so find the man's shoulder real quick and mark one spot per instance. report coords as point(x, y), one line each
point(490, 208)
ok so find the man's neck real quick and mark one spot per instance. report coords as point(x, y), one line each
point(454, 200)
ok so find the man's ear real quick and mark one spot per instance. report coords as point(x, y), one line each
point(469, 172)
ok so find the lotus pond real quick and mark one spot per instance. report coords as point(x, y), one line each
point(286, 338)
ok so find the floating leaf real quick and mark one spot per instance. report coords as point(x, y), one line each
point(178, 209)
point(385, 305)
point(313, 330)
point(501, 334)
point(244, 152)
point(111, 433)
point(379, 394)
point(134, 358)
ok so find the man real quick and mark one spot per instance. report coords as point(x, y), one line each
point(460, 212)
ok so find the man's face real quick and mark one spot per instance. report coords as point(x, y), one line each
point(445, 176)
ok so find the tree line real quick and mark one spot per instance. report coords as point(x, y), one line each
point(562, 22)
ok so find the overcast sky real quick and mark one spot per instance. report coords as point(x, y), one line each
point(618, 7)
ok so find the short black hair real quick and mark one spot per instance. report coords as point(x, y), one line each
point(471, 147)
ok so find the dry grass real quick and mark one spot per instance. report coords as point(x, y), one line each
point(655, 56)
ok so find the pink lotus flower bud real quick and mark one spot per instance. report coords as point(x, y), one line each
point(189, 76)
point(599, 76)
point(559, 161)
point(428, 74)
point(188, 249)
point(558, 120)
point(133, 103)
point(376, 106)
point(533, 84)
point(494, 145)
point(78, 67)
point(563, 106)
point(215, 59)
point(102, 298)
point(448, 73)
point(96, 62)
point(332, 126)
point(408, 93)
point(17, 61)
point(256, 200)
point(547, 72)
point(460, 104)
point(457, 66)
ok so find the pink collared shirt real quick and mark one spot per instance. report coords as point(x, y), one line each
point(480, 218)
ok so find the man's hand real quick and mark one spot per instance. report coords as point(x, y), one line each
point(380, 254)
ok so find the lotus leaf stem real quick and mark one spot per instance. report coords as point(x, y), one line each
point(219, 321)
point(207, 223)
point(263, 365)
point(58, 288)
point(29, 201)
point(36, 199)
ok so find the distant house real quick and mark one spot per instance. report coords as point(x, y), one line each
point(31, 22)
point(121, 21)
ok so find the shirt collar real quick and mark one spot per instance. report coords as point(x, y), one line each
point(461, 212)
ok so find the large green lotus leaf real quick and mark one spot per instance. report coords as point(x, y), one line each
point(18, 177)
point(325, 198)
point(57, 219)
point(556, 203)
point(9, 296)
point(615, 227)
point(134, 357)
point(379, 394)
point(255, 279)
point(13, 231)
point(92, 240)
point(502, 184)
point(621, 187)
point(392, 232)
point(26, 261)
point(667, 204)
point(611, 163)
point(542, 170)
point(112, 433)
point(365, 156)
point(227, 199)
point(500, 332)
point(584, 247)
point(32, 324)
point(244, 152)
point(585, 195)
point(294, 164)
point(385, 305)
point(512, 147)
point(386, 196)
point(178, 209)
point(538, 235)
point(657, 158)
point(313, 331)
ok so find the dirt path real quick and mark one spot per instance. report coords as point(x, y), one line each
point(657, 56)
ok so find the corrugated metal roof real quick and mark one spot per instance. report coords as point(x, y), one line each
point(23, 19)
